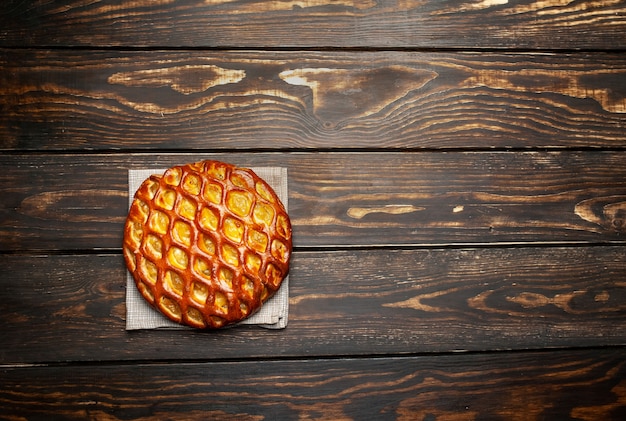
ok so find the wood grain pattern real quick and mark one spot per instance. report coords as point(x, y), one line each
point(68, 100)
point(582, 385)
point(551, 24)
point(77, 202)
point(457, 188)
point(71, 308)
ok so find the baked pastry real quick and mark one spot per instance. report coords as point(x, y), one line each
point(207, 243)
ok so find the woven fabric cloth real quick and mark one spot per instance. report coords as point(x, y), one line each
point(273, 314)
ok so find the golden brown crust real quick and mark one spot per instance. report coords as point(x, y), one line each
point(207, 243)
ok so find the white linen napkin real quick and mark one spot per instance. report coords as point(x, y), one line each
point(272, 315)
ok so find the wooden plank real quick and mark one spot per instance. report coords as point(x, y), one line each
point(78, 202)
point(99, 100)
point(320, 23)
point(72, 308)
point(583, 385)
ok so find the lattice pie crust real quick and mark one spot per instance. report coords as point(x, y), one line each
point(207, 243)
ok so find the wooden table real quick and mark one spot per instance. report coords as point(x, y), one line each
point(457, 188)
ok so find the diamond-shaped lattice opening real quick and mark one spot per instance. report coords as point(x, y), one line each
point(182, 233)
point(230, 254)
point(178, 258)
point(159, 222)
point(143, 208)
point(233, 229)
point(152, 187)
point(253, 263)
point(282, 226)
point(239, 202)
point(221, 302)
point(192, 184)
point(172, 176)
point(212, 192)
point(263, 190)
point(226, 276)
point(209, 219)
point(187, 208)
point(136, 232)
point(279, 250)
point(174, 282)
point(273, 275)
point(263, 214)
point(154, 246)
point(195, 316)
point(169, 306)
point(149, 270)
point(206, 243)
point(257, 240)
point(241, 179)
point(247, 286)
point(202, 268)
point(199, 292)
point(215, 170)
point(165, 199)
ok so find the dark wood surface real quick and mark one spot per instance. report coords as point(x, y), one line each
point(525, 385)
point(457, 189)
point(343, 303)
point(79, 201)
point(382, 24)
point(220, 100)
